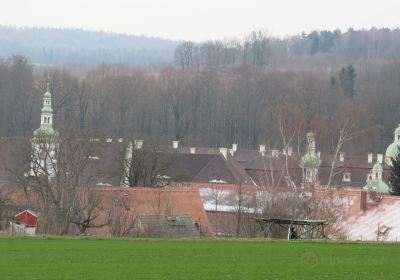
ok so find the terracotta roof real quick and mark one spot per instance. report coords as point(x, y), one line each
point(384, 211)
point(134, 202)
point(150, 201)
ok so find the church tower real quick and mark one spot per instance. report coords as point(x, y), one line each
point(45, 141)
point(310, 162)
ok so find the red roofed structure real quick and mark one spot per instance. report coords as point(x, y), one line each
point(27, 218)
point(131, 203)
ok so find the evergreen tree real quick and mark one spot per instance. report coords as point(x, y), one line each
point(347, 77)
point(394, 178)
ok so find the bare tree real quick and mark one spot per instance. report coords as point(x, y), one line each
point(86, 209)
point(122, 218)
point(143, 164)
point(350, 126)
point(184, 54)
point(57, 177)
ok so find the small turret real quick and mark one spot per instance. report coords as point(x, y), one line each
point(46, 119)
point(310, 162)
point(374, 180)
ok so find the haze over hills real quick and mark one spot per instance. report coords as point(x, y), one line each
point(57, 46)
point(77, 46)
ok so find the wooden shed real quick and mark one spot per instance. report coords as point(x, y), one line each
point(27, 218)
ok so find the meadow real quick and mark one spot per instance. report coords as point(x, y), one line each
point(47, 258)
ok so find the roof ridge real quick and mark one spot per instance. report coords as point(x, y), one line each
point(233, 169)
point(215, 156)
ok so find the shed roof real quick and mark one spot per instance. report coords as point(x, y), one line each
point(172, 226)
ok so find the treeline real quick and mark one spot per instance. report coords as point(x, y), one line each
point(316, 48)
point(51, 46)
point(209, 106)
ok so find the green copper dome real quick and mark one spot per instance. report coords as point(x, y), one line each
point(310, 160)
point(377, 167)
point(378, 186)
point(397, 131)
point(47, 110)
point(393, 150)
point(45, 131)
point(47, 94)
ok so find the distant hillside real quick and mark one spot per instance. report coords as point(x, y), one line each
point(76, 46)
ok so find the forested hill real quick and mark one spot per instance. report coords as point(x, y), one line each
point(76, 46)
point(321, 48)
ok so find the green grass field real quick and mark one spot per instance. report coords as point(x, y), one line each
point(188, 259)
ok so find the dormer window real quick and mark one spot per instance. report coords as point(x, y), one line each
point(346, 177)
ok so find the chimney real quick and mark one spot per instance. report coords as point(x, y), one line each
point(363, 200)
point(120, 140)
point(175, 144)
point(262, 150)
point(138, 144)
point(341, 156)
point(108, 140)
point(370, 157)
point(231, 152)
point(224, 152)
point(192, 150)
point(372, 195)
point(234, 147)
point(289, 151)
point(379, 158)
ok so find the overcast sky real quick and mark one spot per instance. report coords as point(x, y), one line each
point(202, 19)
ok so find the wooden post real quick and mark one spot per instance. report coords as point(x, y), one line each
point(289, 231)
point(377, 233)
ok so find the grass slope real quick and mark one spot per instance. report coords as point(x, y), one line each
point(188, 259)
